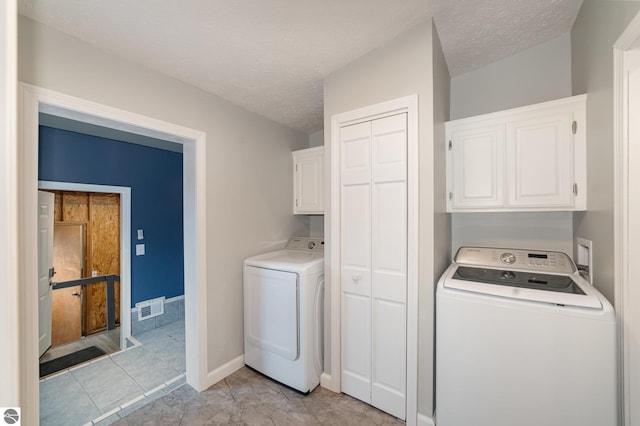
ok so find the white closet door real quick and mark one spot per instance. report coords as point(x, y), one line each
point(356, 260)
point(389, 264)
point(374, 262)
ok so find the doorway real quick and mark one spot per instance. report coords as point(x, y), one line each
point(86, 243)
point(34, 100)
point(335, 382)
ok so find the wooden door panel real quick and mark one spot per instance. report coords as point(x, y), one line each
point(68, 260)
point(67, 315)
point(104, 258)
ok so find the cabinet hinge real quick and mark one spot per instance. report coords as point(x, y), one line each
point(450, 145)
point(297, 203)
point(451, 195)
point(574, 127)
point(575, 189)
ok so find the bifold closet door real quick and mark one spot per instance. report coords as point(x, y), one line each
point(374, 262)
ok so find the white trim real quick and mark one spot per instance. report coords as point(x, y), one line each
point(31, 100)
point(225, 370)
point(409, 105)
point(424, 420)
point(125, 243)
point(10, 392)
point(629, 38)
point(327, 382)
point(166, 301)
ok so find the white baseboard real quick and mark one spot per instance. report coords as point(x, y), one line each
point(326, 381)
point(223, 371)
point(424, 420)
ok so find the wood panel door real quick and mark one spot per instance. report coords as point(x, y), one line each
point(374, 262)
point(68, 261)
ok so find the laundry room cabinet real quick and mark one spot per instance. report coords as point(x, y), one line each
point(524, 159)
point(308, 194)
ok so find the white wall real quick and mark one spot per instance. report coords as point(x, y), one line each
point(9, 315)
point(249, 166)
point(597, 27)
point(538, 74)
point(407, 65)
point(541, 73)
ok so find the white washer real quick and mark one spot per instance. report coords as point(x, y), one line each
point(283, 313)
point(522, 339)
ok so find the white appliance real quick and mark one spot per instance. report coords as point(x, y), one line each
point(522, 339)
point(283, 313)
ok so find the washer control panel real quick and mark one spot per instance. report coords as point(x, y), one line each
point(536, 260)
point(306, 244)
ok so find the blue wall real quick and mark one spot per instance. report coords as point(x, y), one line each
point(155, 178)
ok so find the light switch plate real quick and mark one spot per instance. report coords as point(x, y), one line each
point(140, 234)
point(139, 249)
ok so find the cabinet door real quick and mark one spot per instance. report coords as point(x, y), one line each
point(476, 166)
point(540, 160)
point(308, 192)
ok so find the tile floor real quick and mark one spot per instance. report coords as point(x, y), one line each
point(109, 387)
point(248, 398)
point(108, 341)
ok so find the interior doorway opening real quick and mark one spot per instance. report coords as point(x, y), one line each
point(35, 100)
point(86, 243)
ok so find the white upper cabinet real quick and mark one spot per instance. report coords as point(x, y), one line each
point(524, 159)
point(308, 194)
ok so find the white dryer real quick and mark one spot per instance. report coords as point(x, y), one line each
point(283, 313)
point(522, 339)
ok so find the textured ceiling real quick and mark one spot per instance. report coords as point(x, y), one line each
point(270, 56)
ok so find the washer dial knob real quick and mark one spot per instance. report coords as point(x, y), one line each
point(508, 258)
point(311, 245)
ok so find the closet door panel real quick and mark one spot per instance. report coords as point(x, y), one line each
point(389, 148)
point(388, 390)
point(355, 249)
point(356, 241)
point(356, 155)
point(356, 346)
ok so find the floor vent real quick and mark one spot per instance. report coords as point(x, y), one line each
point(150, 308)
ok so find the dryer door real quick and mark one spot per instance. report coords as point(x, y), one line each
point(271, 311)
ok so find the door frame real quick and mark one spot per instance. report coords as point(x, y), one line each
point(31, 101)
point(625, 235)
point(408, 105)
point(125, 243)
point(10, 356)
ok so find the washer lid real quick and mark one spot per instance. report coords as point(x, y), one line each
point(304, 262)
point(524, 285)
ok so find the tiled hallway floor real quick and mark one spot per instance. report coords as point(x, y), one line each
point(104, 390)
point(248, 398)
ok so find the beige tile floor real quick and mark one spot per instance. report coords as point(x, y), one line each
point(248, 398)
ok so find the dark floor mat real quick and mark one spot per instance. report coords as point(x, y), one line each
point(70, 360)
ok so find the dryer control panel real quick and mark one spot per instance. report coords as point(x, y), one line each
point(523, 259)
point(311, 244)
